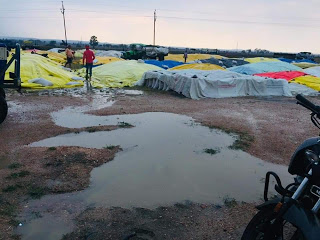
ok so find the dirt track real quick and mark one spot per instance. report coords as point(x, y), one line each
point(270, 128)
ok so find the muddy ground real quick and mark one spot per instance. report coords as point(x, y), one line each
point(268, 128)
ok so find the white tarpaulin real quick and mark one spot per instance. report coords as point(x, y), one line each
point(111, 53)
point(315, 71)
point(302, 89)
point(198, 84)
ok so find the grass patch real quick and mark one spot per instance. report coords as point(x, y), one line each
point(52, 148)
point(211, 151)
point(14, 165)
point(11, 188)
point(14, 222)
point(18, 174)
point(37, 192)
point(8, 210)
point(230, 202)
point(110, 147)
point(243, 141)
point(16, 237)
point(124, 125)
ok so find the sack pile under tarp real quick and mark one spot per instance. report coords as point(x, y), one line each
point(111, 53)
point(225, 62)
point(261, 59)
point(197, 66)
point(309, 81)
point(38, 72)
point(314, 71)
point(198, 84)
point(119, 74)
point(191, 57)
point(166, 64)
point(263, 67)
point(287, 75)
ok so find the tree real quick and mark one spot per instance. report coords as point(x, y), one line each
point(53, 43)
point(94, 41)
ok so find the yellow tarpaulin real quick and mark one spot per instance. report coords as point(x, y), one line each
point(35, 66)
point(61, 58)
point(191, 57)
point(119, 74)
point(199, 66)
point(309, 81)
point(57, 57)
point(305, 65)
point(218, 56)
point(105, 60)
point(261, 59)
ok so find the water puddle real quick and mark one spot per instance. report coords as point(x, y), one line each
point(74, 117)
point(39, 229)
point(133, 92)
point(163, 162)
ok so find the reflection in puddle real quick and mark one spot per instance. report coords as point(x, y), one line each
point(163, 162)
point(40, 226)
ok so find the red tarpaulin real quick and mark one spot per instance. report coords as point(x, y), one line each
point(287, 75)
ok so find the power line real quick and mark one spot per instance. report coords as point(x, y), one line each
point(161, 9)
point(164, 17)
point(238, 21)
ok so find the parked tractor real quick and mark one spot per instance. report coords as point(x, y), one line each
point(141, 51)
point(14, 81)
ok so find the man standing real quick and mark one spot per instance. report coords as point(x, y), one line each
point(69, 54)
point(88, 56)
point(185, 55)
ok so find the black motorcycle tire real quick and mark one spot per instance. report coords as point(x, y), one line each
point(264, 217)
point(3, 109)
point(2, 93)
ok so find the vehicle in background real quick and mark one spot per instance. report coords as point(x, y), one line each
point(141, 51)
point(14, 81)
point(305, 55)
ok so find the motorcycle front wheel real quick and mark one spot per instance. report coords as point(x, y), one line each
point(259, 228)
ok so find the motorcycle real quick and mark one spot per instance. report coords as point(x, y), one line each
point(294, 213)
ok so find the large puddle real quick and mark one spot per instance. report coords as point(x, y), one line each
point(163, 162)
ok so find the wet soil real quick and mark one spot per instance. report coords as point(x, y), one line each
point(274, 127)
point(181, 221)
point(277, 124)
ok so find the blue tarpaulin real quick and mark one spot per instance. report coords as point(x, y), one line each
point(166, 64)
point(296, 61)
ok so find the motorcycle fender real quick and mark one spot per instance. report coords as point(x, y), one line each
point(269, 204)
point(305, 220)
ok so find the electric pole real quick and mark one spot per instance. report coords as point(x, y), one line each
point(64, 23)
point(154, 27)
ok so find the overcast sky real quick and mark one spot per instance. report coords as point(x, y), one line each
point(277, 25)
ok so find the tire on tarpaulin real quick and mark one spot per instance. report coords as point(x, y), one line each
point(3, 109)
point(2, 93)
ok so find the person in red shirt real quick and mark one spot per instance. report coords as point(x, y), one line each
point(88, 57)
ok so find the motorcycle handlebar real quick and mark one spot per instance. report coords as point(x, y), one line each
point(307, 104)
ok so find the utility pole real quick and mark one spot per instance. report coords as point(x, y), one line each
point(154, 27)
point(64, 23)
